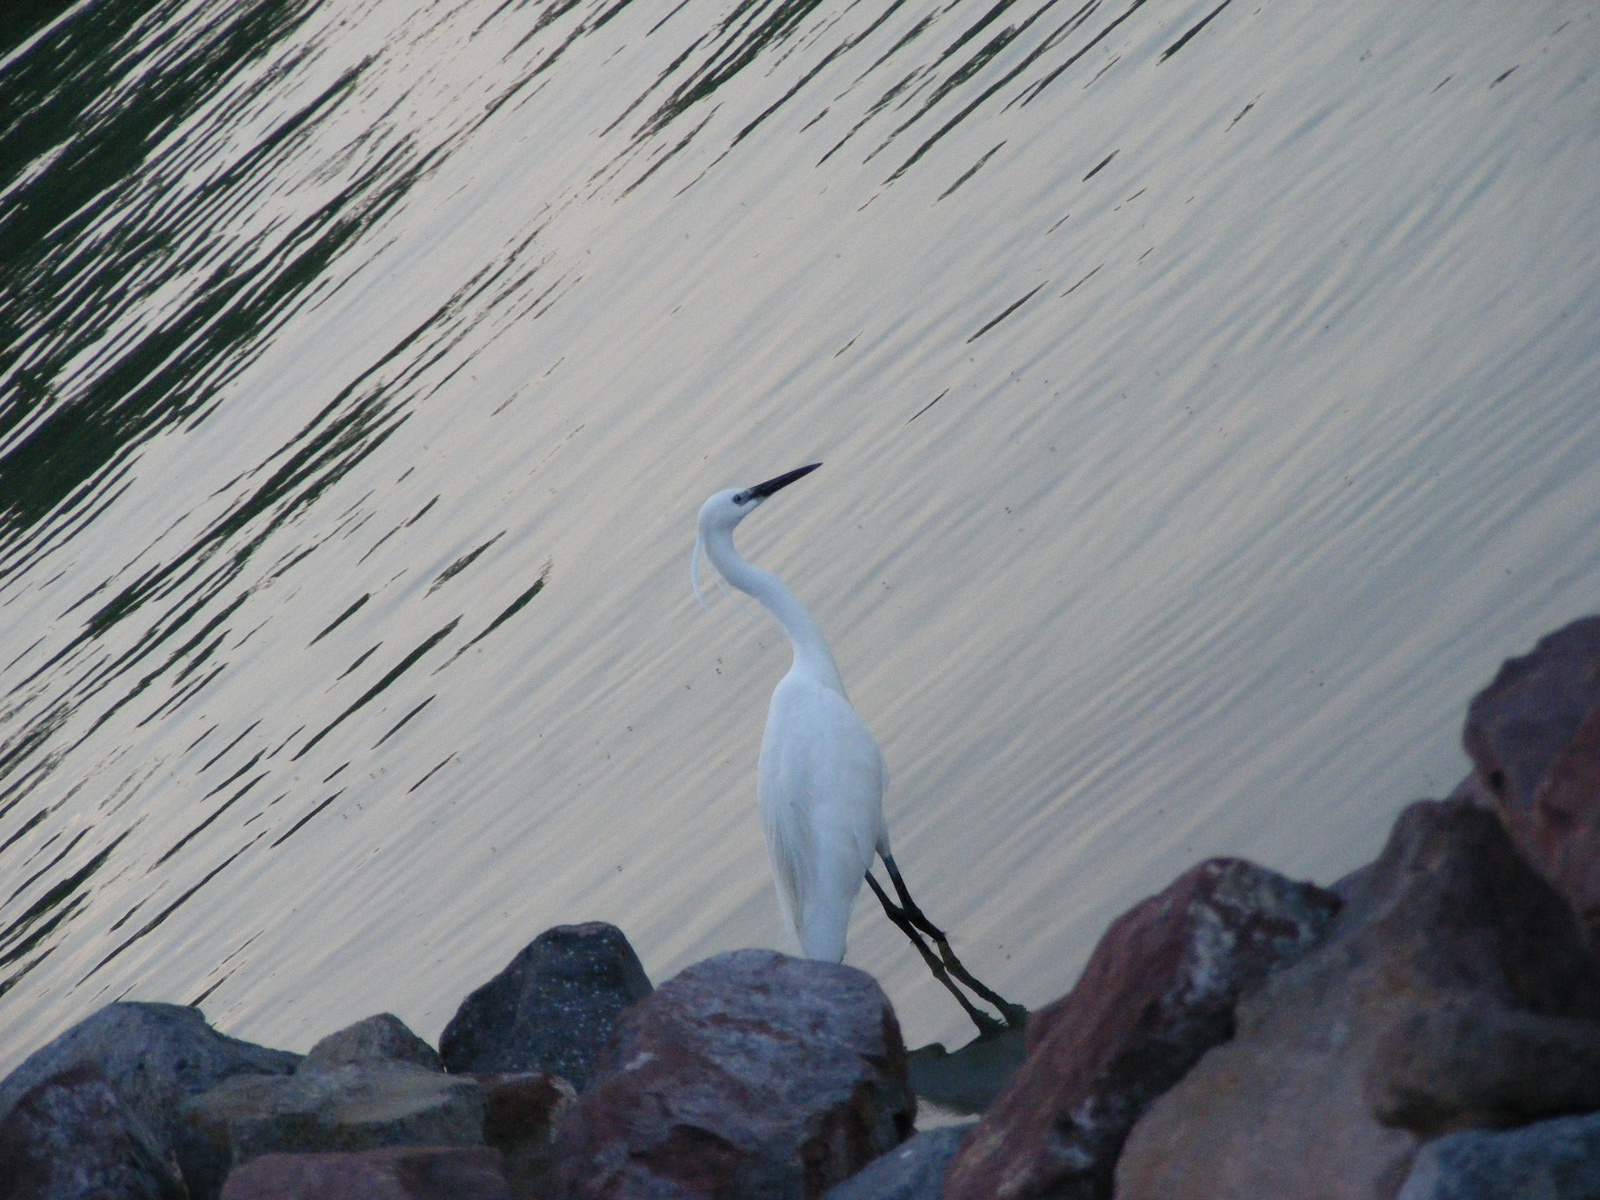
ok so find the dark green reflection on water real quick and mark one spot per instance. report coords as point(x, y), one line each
point(86, 236)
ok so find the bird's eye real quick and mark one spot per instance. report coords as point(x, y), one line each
point(742, 498)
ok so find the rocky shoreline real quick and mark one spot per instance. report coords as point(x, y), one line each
point(1428, 1028)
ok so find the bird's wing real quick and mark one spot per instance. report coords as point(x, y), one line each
point(820, 784)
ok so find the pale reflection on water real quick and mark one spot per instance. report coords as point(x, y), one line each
point(1207, 398)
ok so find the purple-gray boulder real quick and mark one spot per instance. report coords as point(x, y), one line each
point(70, 1138)
point(551, 1009)
point(153, 1057)
point(1534, 738)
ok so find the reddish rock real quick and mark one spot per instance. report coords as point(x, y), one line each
point(750, 1074)
point(523, 1112)
point(1450, 918)
point(1534, 738)
point(69, 1137)
point(1158, 991)
point(396, 1173)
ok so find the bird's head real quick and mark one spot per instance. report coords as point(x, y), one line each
point(726, 509)
point(723, 511)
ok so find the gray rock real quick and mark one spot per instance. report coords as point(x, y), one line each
point(153, 1056)
point(379, 1038)
point(913, 1170)
point(750, 1074)
point(1551, 1160)
point(69, 1138)
point(551, 1009)
point(360, 1107)
point(403, 1173)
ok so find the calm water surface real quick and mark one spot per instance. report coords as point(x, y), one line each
point(1208, 397)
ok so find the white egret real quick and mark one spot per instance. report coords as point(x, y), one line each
point(821, 777)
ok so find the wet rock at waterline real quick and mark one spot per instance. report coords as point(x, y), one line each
point(358, 1107)
point(1157, 992)
point(1449, 915)
point(551, 1008)
point(70, 1138)
point(380, 1038)
point(749, 1074)
point(967, 1080)
point(400, 1173)
point(1549, 1160)
point(913, 1170)
point(1534, 738)
point(152, 1056)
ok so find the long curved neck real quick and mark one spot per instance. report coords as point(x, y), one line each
point(811, 653)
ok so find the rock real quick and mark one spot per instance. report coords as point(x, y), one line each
point(968, 1080)
point(1534, 738)
point(69, 1138)
point(913, 1170)
point(749, 1074)
point(523, 1112)
point(152, 1056)
point(379, 1038)
point(1552, 1160)
point(1157, 992)
point(1449, 916)
point(360, 1107)
point(551, 1009)
point(399, 1173)
point(1464, 1065)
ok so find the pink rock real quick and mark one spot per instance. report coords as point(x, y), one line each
point(394, 1173)
point(1329, 1085)
point(1158, 991)
point(1534, 738)
point(750, 1074)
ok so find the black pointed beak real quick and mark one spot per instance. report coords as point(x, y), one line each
point(762, 490)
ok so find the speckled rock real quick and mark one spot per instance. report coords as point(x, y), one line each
point(70, 1138)
point(379, 1038)
point(1158, 991)
point(551, 1009)
point(360, 1107)
point(749, 1074)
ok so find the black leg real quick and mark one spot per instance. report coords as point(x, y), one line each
point(987, 1025)
point(1014, 1014)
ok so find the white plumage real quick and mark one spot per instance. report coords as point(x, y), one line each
point(821, 777)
